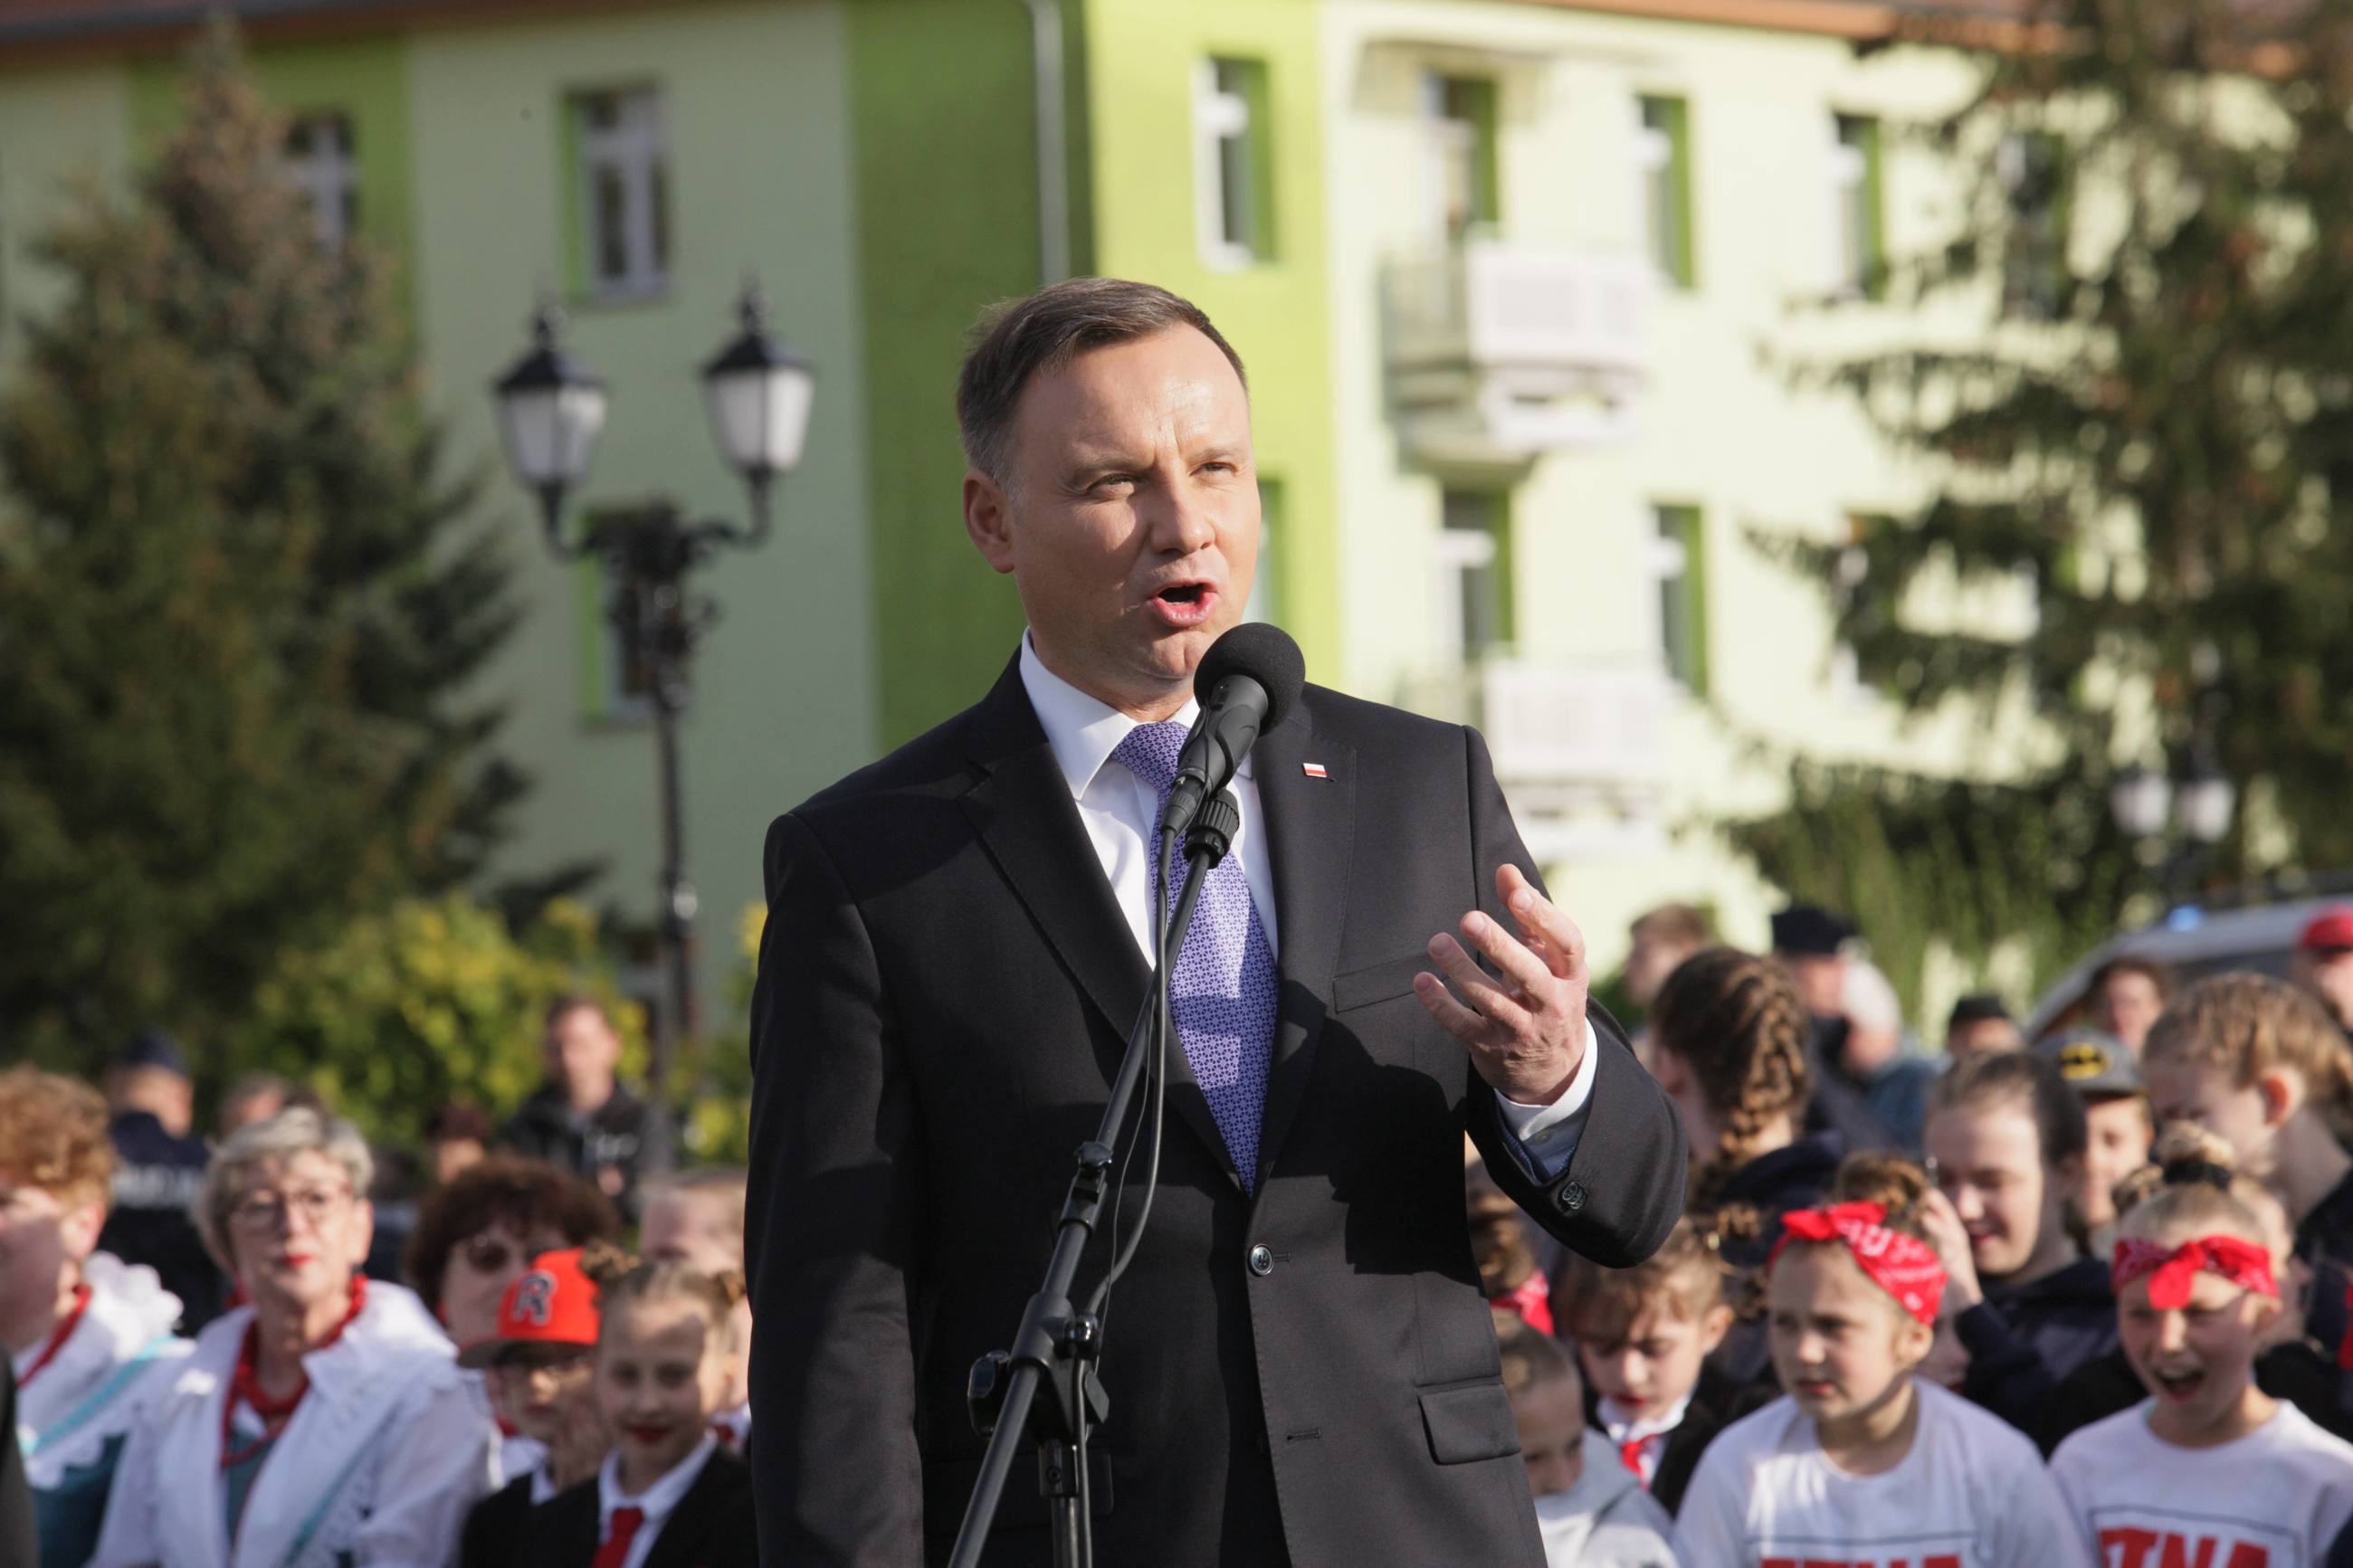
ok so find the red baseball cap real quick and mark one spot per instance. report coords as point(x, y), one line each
point(551, 1303)
point(2330, 930)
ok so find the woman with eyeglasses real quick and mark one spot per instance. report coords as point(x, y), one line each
point(325, 1421)
point(475, 1235)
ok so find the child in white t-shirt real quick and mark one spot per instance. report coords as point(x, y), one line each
point(2209, 1469)
point(1863, 1464)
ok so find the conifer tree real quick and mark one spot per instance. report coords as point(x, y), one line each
point(2151, 441)
point(239, 599)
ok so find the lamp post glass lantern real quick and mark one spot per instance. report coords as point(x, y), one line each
point(2141, 800)
point(551, 410)
point(758, 392)
point(2205, 803)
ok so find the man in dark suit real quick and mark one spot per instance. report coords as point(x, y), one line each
point(1300, 1364)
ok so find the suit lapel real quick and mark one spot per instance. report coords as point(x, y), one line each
point(1310, 824)
point(686, 1537)
point(1025, 818)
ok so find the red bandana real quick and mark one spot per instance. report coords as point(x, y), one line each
point(1903, 1266)
point(1532, 1301)
point(2169, 1271)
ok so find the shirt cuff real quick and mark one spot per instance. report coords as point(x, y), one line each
point(1549, 1135)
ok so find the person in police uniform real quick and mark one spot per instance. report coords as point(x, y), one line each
point(159, 1170)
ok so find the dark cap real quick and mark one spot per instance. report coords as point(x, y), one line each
point(2095, 1065)
point(1808, 931)
point(1979, 1007)
point(153, 1048)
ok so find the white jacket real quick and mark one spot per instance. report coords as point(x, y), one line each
point(379, 1465)
point(1606, 1520)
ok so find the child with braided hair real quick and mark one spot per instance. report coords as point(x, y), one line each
point(669, 1493)
point(1862, 1464)
point(1728, 1045)
point(2208, 1468)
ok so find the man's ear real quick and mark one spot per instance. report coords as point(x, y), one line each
point(988, 519)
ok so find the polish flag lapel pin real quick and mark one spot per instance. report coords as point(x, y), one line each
point(1315, 770)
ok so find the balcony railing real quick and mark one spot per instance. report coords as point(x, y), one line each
point(1498, 351)
point(1581, 751)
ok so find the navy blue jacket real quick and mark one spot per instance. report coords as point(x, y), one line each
point(1795, 1176)
point(157, 1180)
point(2023, 1342)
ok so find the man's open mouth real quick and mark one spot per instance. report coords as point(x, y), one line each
point(1183, 605)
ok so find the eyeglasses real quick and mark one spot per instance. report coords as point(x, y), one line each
point(492, 1254)
point(261, 1213)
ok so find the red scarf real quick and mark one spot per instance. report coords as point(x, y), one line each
point(2171, 1270)
point(1903, 1266)
point(57, 1338)
point(1532, 1299)
point(245, 1384)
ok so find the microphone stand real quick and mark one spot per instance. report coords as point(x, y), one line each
point(1057, 1344)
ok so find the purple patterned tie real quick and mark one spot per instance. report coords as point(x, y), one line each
point(1223, 989)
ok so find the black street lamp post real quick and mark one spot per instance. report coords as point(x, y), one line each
point(551, 410)
point(2197, 800)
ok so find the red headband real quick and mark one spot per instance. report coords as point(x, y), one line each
point(2169, 1271)
point(1903, 1266)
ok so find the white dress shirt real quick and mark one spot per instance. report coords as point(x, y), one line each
point(1120, 810)
point(658, 1501)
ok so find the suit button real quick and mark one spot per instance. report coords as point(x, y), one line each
point(1261, 1260)
point(1571, 1198)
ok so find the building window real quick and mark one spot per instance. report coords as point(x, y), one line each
point(1474, 574)
point(1679, 564)
point(1850, 583)
point(1266, 588)
point(624, 194)
point(1234, 175)
point(1663, 161)
point(319, 160)
point(2033, 174)
point(1856, 198)
point(1465, 186)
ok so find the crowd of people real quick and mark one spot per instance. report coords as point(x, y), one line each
point(282, 1348)
point(2081, 1299)
point(2075, 1300)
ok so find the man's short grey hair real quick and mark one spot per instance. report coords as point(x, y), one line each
point(1014, 340)
point(281, 1139)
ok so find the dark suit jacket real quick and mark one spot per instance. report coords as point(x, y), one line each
point(711, 1528)
point(499, 1529)
point(945, 987)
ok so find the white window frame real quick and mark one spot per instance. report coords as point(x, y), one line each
point(1451, 147)
point(1850, 172)
point(1848, 576)
point(327, 174)
point(635, 147)
point(1667, 560)
point(1455, 552)
point(1220, 115)
point(1654, 156)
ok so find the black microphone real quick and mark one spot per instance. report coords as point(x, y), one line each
point(1248, 683)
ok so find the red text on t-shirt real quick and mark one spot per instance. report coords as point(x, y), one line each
point(2128, 1546)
